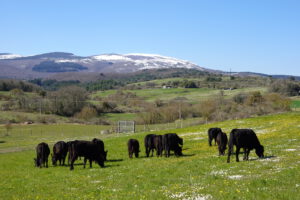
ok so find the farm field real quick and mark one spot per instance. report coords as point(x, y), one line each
point(199, 174)
point(295, 104)
point(191, 94)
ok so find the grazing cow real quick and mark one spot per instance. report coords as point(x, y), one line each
point(133, 147)
point(42, 154)
point(60, 150)
point(101, 143)
point(171, 141)
point(246, 139)
point(149, 144)
point(212, 134)
point(158, 145)
point(87, 149)
point(222, 142)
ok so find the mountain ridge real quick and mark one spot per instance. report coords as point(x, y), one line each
point(25, 67)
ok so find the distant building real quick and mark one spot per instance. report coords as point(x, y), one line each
point(167, 86)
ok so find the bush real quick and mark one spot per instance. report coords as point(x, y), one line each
point(86, 113)
point(285, 87)
point(68, 100)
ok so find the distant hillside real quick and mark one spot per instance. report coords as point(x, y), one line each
point(53, 67)
point(58, 63)
point(45, 65)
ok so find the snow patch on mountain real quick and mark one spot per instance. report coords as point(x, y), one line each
point(111, 57)
point(9, 56)
point(146, 61)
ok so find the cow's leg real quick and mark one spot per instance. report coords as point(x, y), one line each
point(245, 154)
point(237, 152)
point(152, 150)
point(68, 159)
point(41, 162)
point(72, 162)
point(84, 162)
point(90, 163)
point(248, 152)
point(229, 153)
point(209, 140)
point(46, 162)
point(147, 152)
point(64, 158)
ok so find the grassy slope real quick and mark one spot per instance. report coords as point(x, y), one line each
point(201, 173)
point(192, 94)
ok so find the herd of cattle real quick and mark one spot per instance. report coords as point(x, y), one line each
point(94, 150)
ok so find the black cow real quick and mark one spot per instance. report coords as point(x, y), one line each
point(87, 149)
point(101, 143)
point(171, 141)
point(133, 147)
point(60, 150)
point(149, 144)
point(246, 139)
point(212, 134)
point(222, 142)
point(158, 144)
point(42, 154)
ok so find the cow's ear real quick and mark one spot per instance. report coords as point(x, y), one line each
point(106, 151)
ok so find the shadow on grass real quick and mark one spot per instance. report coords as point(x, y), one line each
point(187, 155)
point(114, 160)
point(1, 141)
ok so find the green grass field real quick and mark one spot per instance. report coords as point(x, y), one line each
point(200, 174)
point(191, 94)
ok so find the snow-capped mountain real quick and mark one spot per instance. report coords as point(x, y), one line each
point(9, 56)
point(45, 65)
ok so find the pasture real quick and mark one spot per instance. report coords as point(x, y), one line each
point(191, 94)
point(199, 174)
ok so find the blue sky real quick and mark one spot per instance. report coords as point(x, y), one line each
point(258, 36)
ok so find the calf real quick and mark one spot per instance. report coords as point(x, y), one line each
point(101, 143)
point(60, 150)
point(222, 142)
point(133, 147)
point(246, 139)
point(212, 134)
point(87, 149)
point(171, 141)
point(158, 145)
point(42, 154)
point(149, 144)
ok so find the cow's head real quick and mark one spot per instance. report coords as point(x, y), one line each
point(36, 162)
point(178, 151)
point(223, 149)
point(136, 153)
point(180, 140)
point(260, 151)
point(54, 160)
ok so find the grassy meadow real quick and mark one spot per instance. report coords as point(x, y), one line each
point(191, 94)
point(199, 174)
